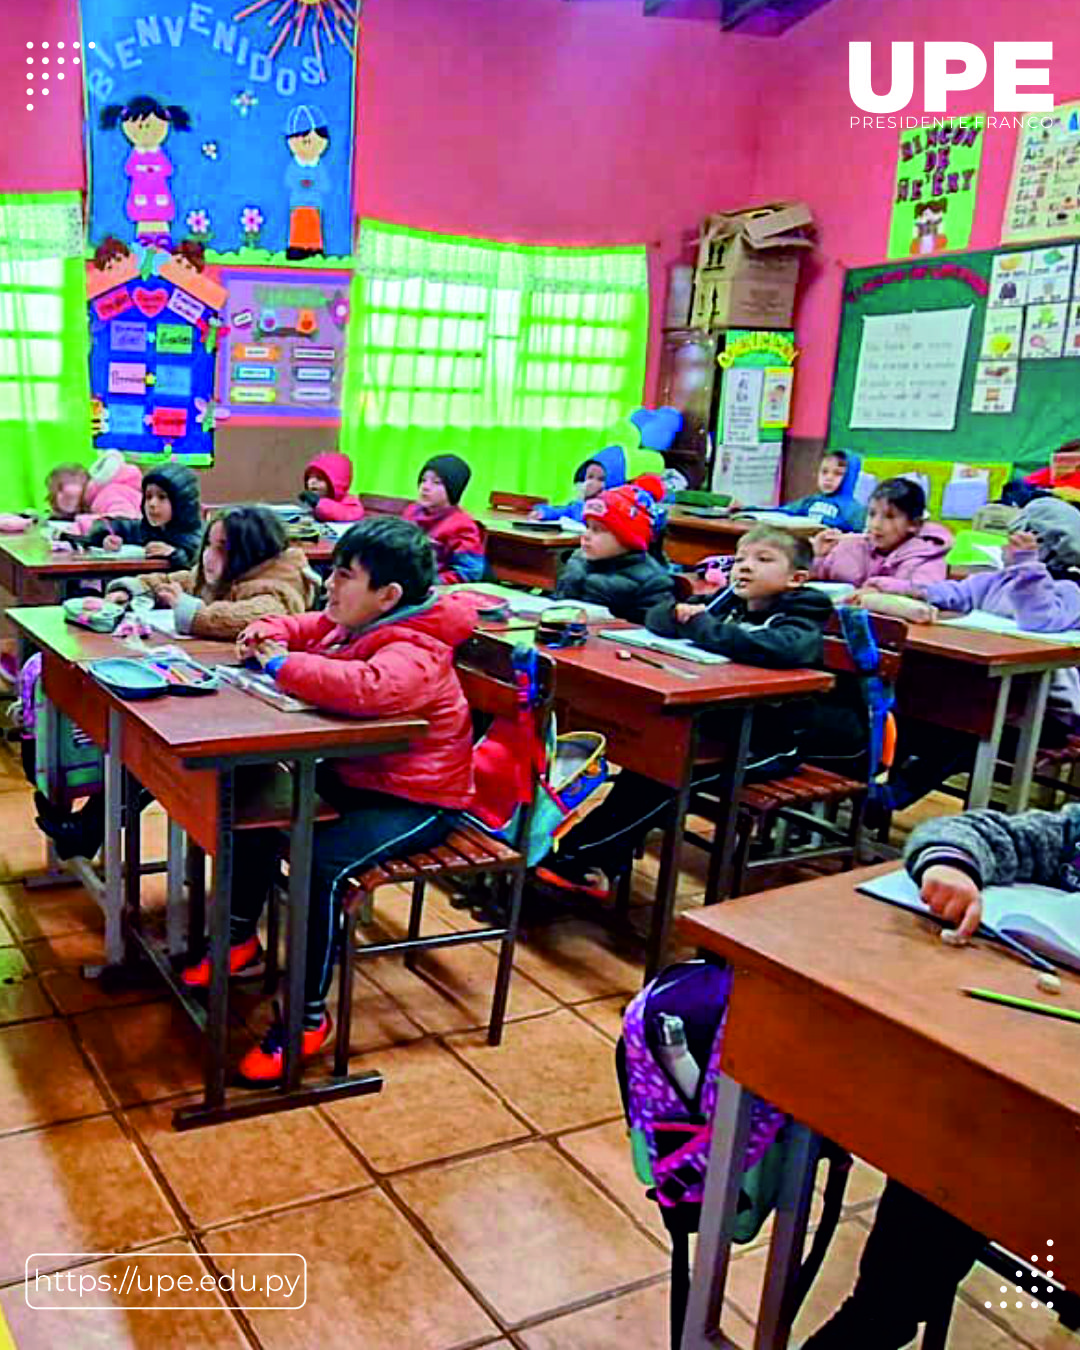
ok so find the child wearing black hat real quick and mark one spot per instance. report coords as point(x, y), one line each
point(171, 522)
point(457, 539)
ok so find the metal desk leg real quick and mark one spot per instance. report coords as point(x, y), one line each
point(132, 857)
point(668, 879)
point(176, 909)
point(300, 849)
point(1028, 746)
point(217, 1027)
point(777, 1312)
point(718, 885)
point(112, 897)
point(195, 869)
point(731, 1129)
point(986, 757)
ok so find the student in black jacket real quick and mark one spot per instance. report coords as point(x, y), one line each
point(769, 617)
point(613, 566)
point(171, 522)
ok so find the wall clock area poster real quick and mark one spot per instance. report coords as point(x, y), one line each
point(226, 124)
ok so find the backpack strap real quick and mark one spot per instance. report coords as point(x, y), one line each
point(833, 1202)
point(859, 635)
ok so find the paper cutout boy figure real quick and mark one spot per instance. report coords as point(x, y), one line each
point(929, 218)
point(306, 179)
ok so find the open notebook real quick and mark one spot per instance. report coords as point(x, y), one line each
point(1042, 918)
point(128, 551)
point(641, 637)
point(985, 622)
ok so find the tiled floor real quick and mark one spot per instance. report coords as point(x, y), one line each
point(485, 1198)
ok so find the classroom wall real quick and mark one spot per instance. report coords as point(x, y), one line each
point(847, 173)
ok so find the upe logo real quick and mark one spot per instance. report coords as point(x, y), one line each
point(938, 79)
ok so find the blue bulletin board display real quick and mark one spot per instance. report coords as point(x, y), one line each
point(224, 122)
point(155, 323)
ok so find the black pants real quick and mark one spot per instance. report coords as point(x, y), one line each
point(372, 826)
point(914, 1258)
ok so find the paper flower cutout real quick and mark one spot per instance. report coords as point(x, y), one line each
point(339, 309)
point(210, 414)
point(251, 220)
point(244, 102)
point(210, 149)
point(198, 221)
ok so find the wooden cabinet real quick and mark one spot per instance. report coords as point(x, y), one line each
point(689, 381)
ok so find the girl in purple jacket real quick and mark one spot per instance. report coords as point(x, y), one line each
point(899, 546)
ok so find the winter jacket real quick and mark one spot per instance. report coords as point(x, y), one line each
point(341, 505)
point(1056, 525)
point(832, 729)
point(457, 539)
point(114, 490)
point(995, 849)
point(613, 462)
point(919, 559)
point(836, 510)
point(629, 584)
point(400, 666)
point(184, 530)
point(281, 585)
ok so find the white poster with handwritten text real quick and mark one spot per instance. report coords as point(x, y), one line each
point(910, 369)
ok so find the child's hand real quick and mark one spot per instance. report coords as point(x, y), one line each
point(265, 651)
point(1022, 541)
point(686, 611)
point(118, 595)
point(824, 542)
point(112, 542)
point(158, 548)
point(734, 504)
point(906, 607)
point(249, 639)
point(169, 594)
point(954, 897)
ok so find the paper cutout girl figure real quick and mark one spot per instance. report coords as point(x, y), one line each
point(306, 180)
point(145, 123)
point(928, 220)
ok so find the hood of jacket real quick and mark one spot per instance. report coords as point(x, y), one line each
point(612, 459)
point(851, 475)
point(805, 601)
point(1056, 525)
point(336, 468)
point(931, 541)
point(181, 485)
point(111, 470)
point(288, 575)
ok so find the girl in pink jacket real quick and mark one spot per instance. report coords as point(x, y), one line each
point(898, 549)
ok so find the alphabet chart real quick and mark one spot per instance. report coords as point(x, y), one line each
point(1044, 194)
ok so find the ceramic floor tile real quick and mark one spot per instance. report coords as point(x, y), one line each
point(865, 1184)
point(66, 951)
point(43, 1078)
point(604, 1152)
point(451, 988)
point(559, 1239)
point(21, 996)
point(557, 1071)
point(144, 1052)
point(135, 1320)
point(22, 845)
point(75, 993)
point(430, 1107)
point(371, 1280)
point(49, 913)
point(605, 1014)
point(377, 1019)
point(578, 960)
point(639, 1321)
point(237, 1169)
point(77, 1188)
point(1034, 1326)
point(970, 1330)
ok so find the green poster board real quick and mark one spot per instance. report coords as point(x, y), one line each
point(1047, 408)
point(937, 179)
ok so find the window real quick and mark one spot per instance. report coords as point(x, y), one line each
point(31, 339)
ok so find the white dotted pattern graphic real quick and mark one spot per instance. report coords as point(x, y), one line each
point(1004, 1289)
point(44, 61)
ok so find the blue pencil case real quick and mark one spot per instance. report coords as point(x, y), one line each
point(135, 679)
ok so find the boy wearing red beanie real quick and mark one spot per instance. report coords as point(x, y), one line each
point(613, 566)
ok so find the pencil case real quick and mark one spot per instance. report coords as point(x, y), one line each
point(101, 616)
point(135, 679)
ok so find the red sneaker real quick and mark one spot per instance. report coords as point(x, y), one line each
point(581, 883)
point(241, 957)
point(265, 1063)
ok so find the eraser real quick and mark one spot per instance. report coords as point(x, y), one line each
point(952, 938)
point(1049, 984)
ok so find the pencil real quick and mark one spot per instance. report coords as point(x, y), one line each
point(1024, 1004)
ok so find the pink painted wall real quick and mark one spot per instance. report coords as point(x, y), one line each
point(541, 121)
point(812, 153)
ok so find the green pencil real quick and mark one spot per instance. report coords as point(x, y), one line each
point(1025, 1004)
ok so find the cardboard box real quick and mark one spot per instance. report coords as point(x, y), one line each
point(747, 302)
point(763, 241)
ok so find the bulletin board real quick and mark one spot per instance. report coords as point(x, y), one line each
point(154, 324)
point(1045, 400)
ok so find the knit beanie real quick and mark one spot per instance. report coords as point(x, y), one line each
point(1056, 525)
point(451, 471)
point(628, 512)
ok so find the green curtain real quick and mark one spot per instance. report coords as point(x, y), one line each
point(517, 358)
point(44, 373)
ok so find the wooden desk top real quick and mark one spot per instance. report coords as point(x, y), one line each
point(229, 722)
point(32, 552)
point(505, 524)
point(995, 650)
point(856, 953)
point(681, 518)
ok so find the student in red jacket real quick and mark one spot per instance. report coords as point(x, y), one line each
point(327, 479)
point(383, 647)
point(458, 541)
